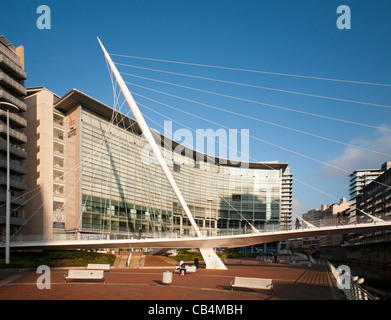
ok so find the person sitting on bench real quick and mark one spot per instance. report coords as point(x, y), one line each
point(182, 269)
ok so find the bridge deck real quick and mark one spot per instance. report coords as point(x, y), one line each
point(203, 242)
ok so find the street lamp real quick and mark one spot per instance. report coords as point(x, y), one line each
point(210, 214)
point(9, 107)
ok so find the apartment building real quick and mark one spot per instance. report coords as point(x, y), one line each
point(12, 93)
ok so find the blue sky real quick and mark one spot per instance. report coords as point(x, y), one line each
point(291, 36)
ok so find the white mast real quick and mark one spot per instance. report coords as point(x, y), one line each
point(148, 135)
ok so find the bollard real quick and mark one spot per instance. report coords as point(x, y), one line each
point(167, 277)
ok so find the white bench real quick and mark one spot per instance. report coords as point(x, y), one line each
point(88, 275)
point(94, 266)
point(252, 283)
point(188, 269)
point(191, 269)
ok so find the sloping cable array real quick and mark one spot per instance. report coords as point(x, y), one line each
point(252, 158)
point(257, 102)
point(254, 71)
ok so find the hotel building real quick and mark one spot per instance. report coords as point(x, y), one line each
point(91, 173)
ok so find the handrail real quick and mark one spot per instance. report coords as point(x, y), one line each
point(353, 291)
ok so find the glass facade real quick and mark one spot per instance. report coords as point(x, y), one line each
point(124, 189)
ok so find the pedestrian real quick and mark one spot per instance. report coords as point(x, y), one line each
point(339, 219)
point(196, 262)
point(298, 225)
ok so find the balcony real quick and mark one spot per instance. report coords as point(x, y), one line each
point(58, 149)
point(58, 206)
point(14, 134)
point(13, 221)
point(10, 54)
point(59, 199)
point(58, 120)
point(16, 152)
point(14, 167)
point(58, 135)
point(4, 95)
point(15, 184)
point(15, 119)
point(13, 68)
point(58, 164)
point(16, 200)
point(58, 177)
point(12, 85)
point(58, 191)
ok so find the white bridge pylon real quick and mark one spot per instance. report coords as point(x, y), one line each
point(211, 259)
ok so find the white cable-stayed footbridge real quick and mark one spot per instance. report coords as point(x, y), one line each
point(206, 244)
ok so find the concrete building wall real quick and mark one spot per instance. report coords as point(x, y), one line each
point(73, 167)
point(39, 163)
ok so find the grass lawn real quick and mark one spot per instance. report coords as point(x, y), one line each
point(66, 258)
point(187, 255)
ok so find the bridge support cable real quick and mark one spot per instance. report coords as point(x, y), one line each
point(255, 71)
point(252, 101)
point(374, 219)
point(250, 136)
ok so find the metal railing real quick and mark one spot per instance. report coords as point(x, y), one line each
point(351, 289)
point(356, 292)
point(124, 234)
point(336, 221)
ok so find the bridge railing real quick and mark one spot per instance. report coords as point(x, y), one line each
point(332, 221)
point(337, 220)
point(136, 235)
point(351, 289)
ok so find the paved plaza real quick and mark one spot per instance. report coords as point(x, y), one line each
point(145, 283)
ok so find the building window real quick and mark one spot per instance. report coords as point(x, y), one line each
point(236, 197)
point(177, 167)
